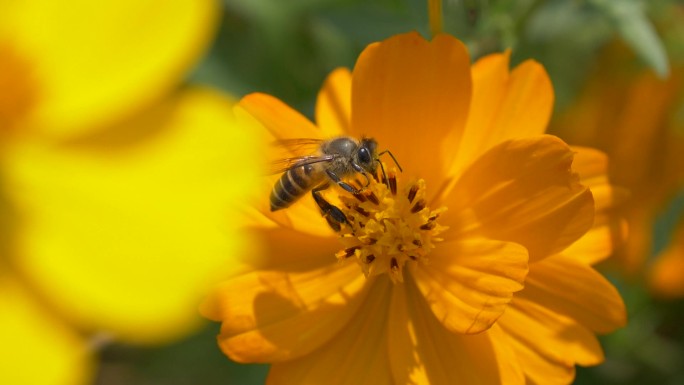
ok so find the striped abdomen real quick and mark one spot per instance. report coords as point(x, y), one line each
point(294, 183)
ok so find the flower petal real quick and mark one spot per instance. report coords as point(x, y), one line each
point(505, 105)
point(592, 167)
point(609, 230)
point(125, 230)
point(599, 242)
point(469, 283)
point(271, 316)
point(279, 119)
point(548, 345)
point(333, 106)
point(356, 355)
point(666, 277)
point(522, 191)
point(412, 96)
point(280, 248)
point(575, 290)
point(32, 336)
point(423, 352)
point(96, 63)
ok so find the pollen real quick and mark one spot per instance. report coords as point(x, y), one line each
point(390, 227)
point(17, 86)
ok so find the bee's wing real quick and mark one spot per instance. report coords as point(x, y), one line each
point(282, 165)
point(298, 146)
point(293, 152)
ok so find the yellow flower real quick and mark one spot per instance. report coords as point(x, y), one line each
point(115, 183)
point(413, 289)
point(635, 117)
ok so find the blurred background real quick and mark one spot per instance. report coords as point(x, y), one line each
point(119, 161)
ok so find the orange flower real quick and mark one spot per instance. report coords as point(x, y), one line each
point(666, 276)
point(411, 290)
point(632, 115)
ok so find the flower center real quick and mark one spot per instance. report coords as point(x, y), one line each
point(389, 227)
point(17, 91)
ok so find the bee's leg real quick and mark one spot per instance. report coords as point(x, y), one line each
point(346, 186)
point(332, 213)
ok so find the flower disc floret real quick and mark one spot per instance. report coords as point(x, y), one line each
point(389, 227)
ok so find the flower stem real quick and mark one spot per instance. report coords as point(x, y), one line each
point(436, 17)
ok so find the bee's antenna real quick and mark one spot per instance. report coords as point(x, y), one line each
point(384, 175)
point(393, 158)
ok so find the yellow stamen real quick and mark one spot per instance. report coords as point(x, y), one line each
point(17, 87)
point(389, 227)
point(435, 15)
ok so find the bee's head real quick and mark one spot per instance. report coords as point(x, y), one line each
point(368, 154)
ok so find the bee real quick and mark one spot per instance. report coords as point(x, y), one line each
point(334, 160)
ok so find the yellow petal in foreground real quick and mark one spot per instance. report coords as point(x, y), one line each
point(17, 84)
point(120, 231)
point(92, 63)
point(37, 348)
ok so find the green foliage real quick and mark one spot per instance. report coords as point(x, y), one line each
point(629, 19)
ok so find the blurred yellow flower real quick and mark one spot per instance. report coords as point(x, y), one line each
point(635, 117)
point(484, 218)
point(115, 183)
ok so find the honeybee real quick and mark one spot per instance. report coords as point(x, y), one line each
point(334, 160)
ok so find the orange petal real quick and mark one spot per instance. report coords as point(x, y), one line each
point(509, 363)
point(505, 105)
point(356, 355)
point(609, 231)
point(568, 287)
point(522, 191)
point(271, 316)
point(469, 283)
point(333, 106)
point(599, 242)
point(304, 215)
point(422, 351)
point(548, 345)
point(666, 278)
point(279, 119)
point(284, 249)
point(592, 167)
point(412, 95)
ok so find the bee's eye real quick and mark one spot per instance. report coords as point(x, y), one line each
point(364, 155)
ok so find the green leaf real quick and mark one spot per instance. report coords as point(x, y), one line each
point(629, 18)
